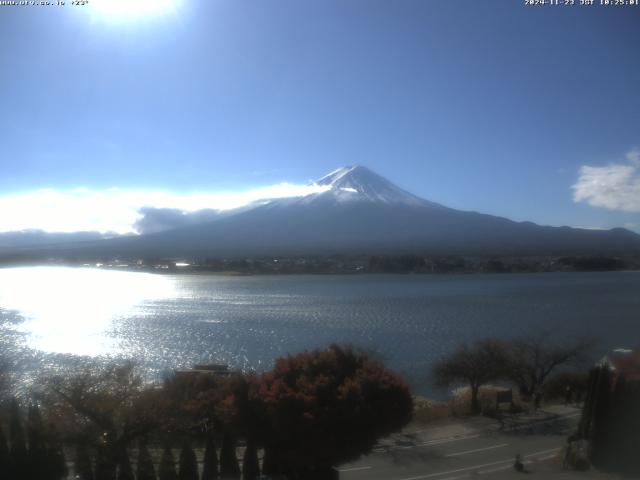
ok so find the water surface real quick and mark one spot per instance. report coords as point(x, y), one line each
point(55, 317)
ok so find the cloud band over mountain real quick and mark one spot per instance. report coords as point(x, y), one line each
point(126, 211)
point(155, 220)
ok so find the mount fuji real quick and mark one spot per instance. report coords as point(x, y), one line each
point(359, 212)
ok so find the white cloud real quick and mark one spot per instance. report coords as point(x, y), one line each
point(116, 210)
point(159, 219)
point(615, 186)
point(633, 156)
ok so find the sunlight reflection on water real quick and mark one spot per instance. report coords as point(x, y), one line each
point(59, 318)
point(71, 310)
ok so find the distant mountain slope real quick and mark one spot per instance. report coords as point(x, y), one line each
point(39, 238)
point(361, 212)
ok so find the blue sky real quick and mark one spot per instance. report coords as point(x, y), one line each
point(532, 113)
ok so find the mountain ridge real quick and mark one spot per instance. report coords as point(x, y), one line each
point(358, 212)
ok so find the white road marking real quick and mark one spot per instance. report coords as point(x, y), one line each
point(438, 474)
point(457, 454)
point(413, 432)
point(496, 469)
point(555, 419)
point(475, 467)
point(457, 438)
point(354, 469)
point(548, 457)
point(534, 423)
point(425, 444)
point(448, 440)
point(543, 452)
point(572, 415)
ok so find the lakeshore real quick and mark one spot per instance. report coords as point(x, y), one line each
point(343, 264)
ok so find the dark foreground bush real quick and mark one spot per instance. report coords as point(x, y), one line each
point(329, 407)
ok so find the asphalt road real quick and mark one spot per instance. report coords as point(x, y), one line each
point(415, 455)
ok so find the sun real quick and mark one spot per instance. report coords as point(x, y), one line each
point(123, 10)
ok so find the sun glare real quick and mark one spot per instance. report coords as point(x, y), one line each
point(122, 10)
point(71, 310)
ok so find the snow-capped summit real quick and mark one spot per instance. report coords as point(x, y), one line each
point(358, 183)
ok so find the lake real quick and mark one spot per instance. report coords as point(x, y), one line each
point(53, 318)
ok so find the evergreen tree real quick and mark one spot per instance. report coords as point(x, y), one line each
point(210, 469)
point(269, 465)
point(124, 470)
point(145, 470)
point(19, 461)
point(106, 464)
point(601, 443)
point(38, 466)
point(167, 470)
point(250, 464)
point(229, 467)
point(188, 463)
point(83, 467)
point(56, 461)
point(4, 453)
point(585, 427)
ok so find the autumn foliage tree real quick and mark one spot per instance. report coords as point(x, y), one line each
point(314, 410)
point(192, 403)
point(328, 407)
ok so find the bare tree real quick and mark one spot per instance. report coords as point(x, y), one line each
point(474, 365)
point(111, 407)
point(533, 358)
